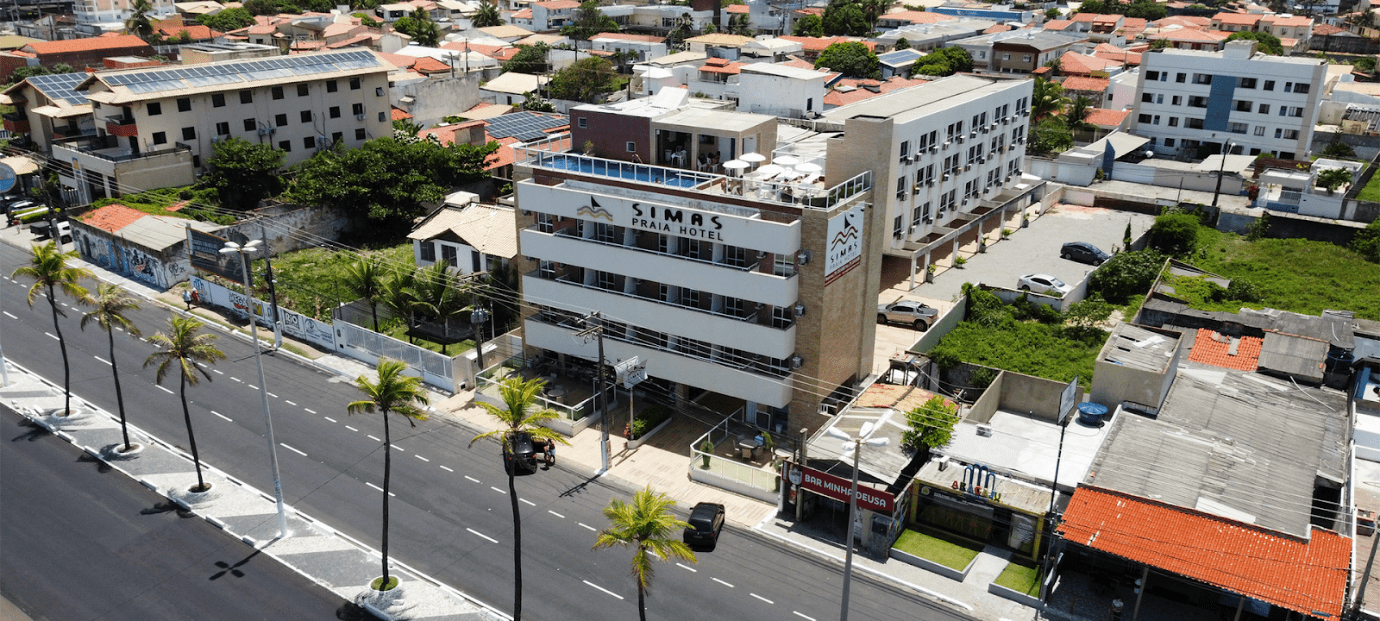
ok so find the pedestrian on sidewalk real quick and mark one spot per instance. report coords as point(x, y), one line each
point(187, 298)
point(196, 298)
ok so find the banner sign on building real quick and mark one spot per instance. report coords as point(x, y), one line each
point(845, 242)
point(837, 488)
point(204, 251)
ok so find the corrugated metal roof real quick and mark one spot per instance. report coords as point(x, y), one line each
point(1308, 576)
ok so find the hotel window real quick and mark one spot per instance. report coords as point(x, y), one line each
point(916, 216)
point(605, 280)
point(781, 317)
point(666, 293)
point(1173, 121)
point(354, 84)
point(357, 109)
point(306, 116)
point(222, 129)
point(184, 104)
point(337, 137)
point(1238, 128)
point(331, 86)
point(1260, 130)
point(154, 109)
point(246, 97)
point(690, 297)
point(360, 134)
point(309, 142)
point(898, 227)
point(285, 145)
point(783, 264)
point(632, 147)
point(1178, 100)
point(735, 307)
point(280, 120)
point(1246, 83)
point(335, 112)
point(735, 256)
point(1269, 85)
point(189, 133)
point(605, 232)
point(696, 249)
point(218, 100)
point(1263, 109)
point(303, 90)
point(160, 138)
point(277, 92)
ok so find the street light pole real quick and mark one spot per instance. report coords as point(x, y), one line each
point(243, 251)
point(596, 329)
point(854, 445)
point(1226, 150)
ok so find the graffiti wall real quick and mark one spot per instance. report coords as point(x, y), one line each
point(294, 324)
point(130, 260)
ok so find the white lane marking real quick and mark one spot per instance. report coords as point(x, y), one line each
point(602, 589)
point(692, 569)
point(227, 418)
point(330, 419)
point(253, 386)
point(421, 458)
point(399, 448)
point(381, 489)
point(555, 514)
point(274, 396)
point(50, 335)
point(722, 582)
point(471, 478)
point(762, 598)
point(101, 359)
point(309, 410)
point(7, 314)
point(589, 527)
point(286, 401)
point(351, 428)
point(530, 503)
point(217, 372)
point(237, 379)
point(497, 490)
point(373, 438)
point(802, 616)
point(292, 449)
point(482, 535)
point(447, 469)
point(164, 389)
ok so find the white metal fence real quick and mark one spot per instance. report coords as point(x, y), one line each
point(368, 346)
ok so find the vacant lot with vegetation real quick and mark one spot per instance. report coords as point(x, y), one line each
point(310, 281)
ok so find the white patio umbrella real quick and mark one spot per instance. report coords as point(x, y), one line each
point(809, 168)
point(753, 157)
point(736, 164)
point(786, 160)
point(769, 170)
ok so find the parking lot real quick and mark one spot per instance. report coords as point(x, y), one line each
point(1034, 249)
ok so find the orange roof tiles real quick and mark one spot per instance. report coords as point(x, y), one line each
point(1236, 19)
point(504, 156)
point(555, 5)
point(1207, 349)
point(85, 45)
point(737, 8)
point(1297, 20)
point(998, 28)
point(1080, 83)
point(1103, 117)
point(1187, 21)
point(836, 97)
point(197, 33)
point(447, 133)
point(1074, 63)
point(1305, 576)
point(427, 65)
point(819, 44)
point(462, 46)
point(505, 54)
point(1328, 29)
point(917, 17)
point(523, 14)
point(1085, 17)
point(400, 115)
point(1058, 24)
point(1106, 19)
point(398, 60)
point(112, 217)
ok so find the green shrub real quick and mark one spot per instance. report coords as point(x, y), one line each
point(1175, 233)
point(1243, 290)
point(1126, 275)
point(648, 419)
point(1367, 242)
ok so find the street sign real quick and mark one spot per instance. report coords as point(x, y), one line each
point(630, 372)
point(7, 178)
point(1066, 400)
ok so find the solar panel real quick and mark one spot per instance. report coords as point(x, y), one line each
point(60, 87)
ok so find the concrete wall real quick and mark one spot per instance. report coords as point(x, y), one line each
point(293, 227)
point(1036, 396)
point(986, 405)
point(1071, 172)
point(438, 97)
point(942, 326)
point(127, 258)
point(1115, 383)
point(294, 324)
point(1173, 178)
point(1366, 147)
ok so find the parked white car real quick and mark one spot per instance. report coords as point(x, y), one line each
point(1043, 283)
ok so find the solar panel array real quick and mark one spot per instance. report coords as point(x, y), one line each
point(60, 85)
point(246, 71)
point(524, 125)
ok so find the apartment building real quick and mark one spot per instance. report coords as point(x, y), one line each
point(1194, 103)
point(759, 288)
point(96, 17)
point(156, 127)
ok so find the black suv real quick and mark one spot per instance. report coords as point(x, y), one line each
point(524, 455)
point(1083, 252)
point(706, 520)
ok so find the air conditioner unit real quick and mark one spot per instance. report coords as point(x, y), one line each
point(1025, 113)
point(968, 167)
point(359, 117)
point(947, 143)
point(993, 125)
point(264, 131)
point(929, 183)
point(1006, 120)
point(984, 430)
point(982, 160)
point(929, 220)
point(900, 196)
point(916, 189)
point(934, 149)
point(946, 176)
point(1018, 171)
point(959, 139)
point(799, 310)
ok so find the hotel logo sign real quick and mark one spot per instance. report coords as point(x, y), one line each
point(844, 250)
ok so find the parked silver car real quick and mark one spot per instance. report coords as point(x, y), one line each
point(1043, 283)
point(909, 312)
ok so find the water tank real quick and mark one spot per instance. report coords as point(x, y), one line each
point(1091, 414)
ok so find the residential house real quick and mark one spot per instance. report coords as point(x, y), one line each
point(1024, 51)
point(635, 47)
point(146, 248)
point(899, 62)
point(1092, 88)
point(511, 88)
point(468, 239)
point(812, 47)
point(46, 108)
point(198, 53)
point(718, 45)
point(927, 37)
point(783, 91)
point(82, 53)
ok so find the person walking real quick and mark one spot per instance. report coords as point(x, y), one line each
point(187, 298)
point(196, 298)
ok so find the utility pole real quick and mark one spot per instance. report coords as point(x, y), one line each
point(596, 330)
point(272, 291)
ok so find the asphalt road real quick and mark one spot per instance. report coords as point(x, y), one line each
point(84, 543)
point(451, 516)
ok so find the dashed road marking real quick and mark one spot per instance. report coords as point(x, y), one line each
point(802, 616)
point(351, 428)
point(373, 438)
point(762, 598)
point(589, 527)
point(497, 490)
point(482, 535)
point(309, 410)
point(292, 449)
point(399, 449)
point(722, 582)
point(381, 489)
point(330, 419)
point(101, 359)
point(447, 469)
point(217, 372)
point(273, 395)
point(7, 314)
point(237, 379)
point(164, 389)
point(602, 589)
point(471, 478)
point(227, 418)
point(50, 335)
point(530, 503)
point(555, 514)
point(683, 566)
point(253, 386)
point(421, 458)
point(287, 402)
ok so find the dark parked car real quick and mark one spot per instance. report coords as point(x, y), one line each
point(706, 520)
point(1083, 252)
point(908, 312)
point(523, 457)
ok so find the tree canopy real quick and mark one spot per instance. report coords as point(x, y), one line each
point(931, 424)
point(1048, 98)
point(845, 18)
point(1268, 43)
point(808, 26)
point(528, 59)
point(589, 21)
point(229, 19)
point(584, 80)
point(385, 181)
point(1051, 136)
point(419, 26)
point(944, 61)
point(487, 15)
point(851, 58)
point(1146, 9)
point(28, 72)
point(243, 172)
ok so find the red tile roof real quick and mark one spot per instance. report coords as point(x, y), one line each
point(1080, 83)
point(112, 217)
point(1328, 29)
point(998, 28)
point(720, 65)
point(85, 45)
point(398, 60)
point(558, 4)
point(1085, 17)
point(1074, 63)
point(1305, 576)
point(836, 97)
point(1208, 349)
point(623, 36)
point(504, 156)
point(1103, 117)
point(819, 44)
point(1187, 21)
point(428, 65)
point(447, 134)
point(462, 46)
point(917, 17)
point(505, 54)
point(737, 8)
point(197, 33)
point(1058, 24)
point(1236, 19)
point(400, 115)
point(523, 14)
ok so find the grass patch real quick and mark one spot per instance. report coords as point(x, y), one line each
point(397, 329)
point(947, 550)
point(158, 202)
point(1027, 347)
point(309, 279)
point(1371, 193)
point(1021, 576)
point(1295, 275)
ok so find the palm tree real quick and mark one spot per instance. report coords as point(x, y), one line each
point(184, 348)
point(487, 15)
point(398, 295)
point(518, 417)
point(50, 272)
point(438, 296)
point(1079, 109)
point(108, 311)
point(393, 393)
point(647, 525)
point(139, 23)
point(364, 280)
point(1047, 99)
